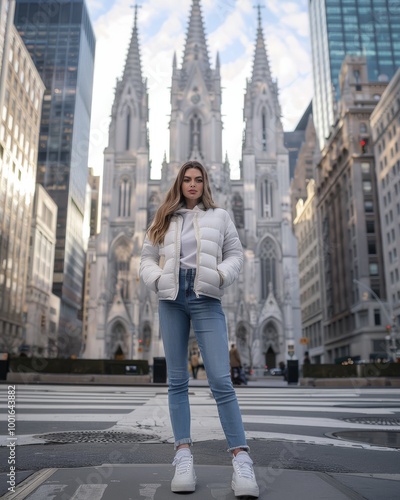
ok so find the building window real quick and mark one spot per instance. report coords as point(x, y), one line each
point(367, 186)
point(365, 167)
point(124, 204)
point(370, 226)
point(268, 267)
point(377, 317)
point(264, 129)
point(266, 199)
point(373, 269)
point(371, 248)
point(195, 134)
point(128, 130)
point(369, 206)
point(238, 210)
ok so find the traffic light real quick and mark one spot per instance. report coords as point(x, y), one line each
point(388, 329)
point(364, 145)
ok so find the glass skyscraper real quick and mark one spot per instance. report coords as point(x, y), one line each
point(358, 27)
point(60, 40)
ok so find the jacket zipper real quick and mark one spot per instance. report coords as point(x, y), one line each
point(197, 236)
point(178, 253)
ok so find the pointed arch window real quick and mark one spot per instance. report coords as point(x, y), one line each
point(268, 267)
point(122, 270)
point(266, 199)
point(152, 206)
point(124, 201)
point(238, 210)
point(128, 130)
point(195, 134)
point(146, 343)
point(264, 129)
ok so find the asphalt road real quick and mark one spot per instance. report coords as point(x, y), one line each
point(289, 428)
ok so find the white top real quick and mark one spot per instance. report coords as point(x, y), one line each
point(188, 239)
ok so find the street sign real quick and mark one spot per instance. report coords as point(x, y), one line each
point(304, 340)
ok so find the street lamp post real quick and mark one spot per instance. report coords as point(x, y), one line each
point(390, 328)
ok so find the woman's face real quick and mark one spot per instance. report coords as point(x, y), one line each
point(192, 187)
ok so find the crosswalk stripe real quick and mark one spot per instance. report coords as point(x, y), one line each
point(89, 492)
point(66, 417)
point(47, 491)
point(77, 407)
point(294, 409)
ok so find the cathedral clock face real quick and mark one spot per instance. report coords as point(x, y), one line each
point(195, 98)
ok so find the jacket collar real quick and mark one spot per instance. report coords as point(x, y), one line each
point(198, 208)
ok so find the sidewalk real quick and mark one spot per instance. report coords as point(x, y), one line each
point(143, 380)
point(152, 482)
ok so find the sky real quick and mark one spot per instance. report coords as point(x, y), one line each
point(231, 29)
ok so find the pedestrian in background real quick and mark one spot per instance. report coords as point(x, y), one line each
point(282, 367)
point(194, 362)
point(306, 360)
point(202, 256)
point(236, 364)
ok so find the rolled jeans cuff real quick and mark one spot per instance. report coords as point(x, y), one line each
point(183, 441)
point(243, 447)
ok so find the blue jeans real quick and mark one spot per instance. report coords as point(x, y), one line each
point(209, 325)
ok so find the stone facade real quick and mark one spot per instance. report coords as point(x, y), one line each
point(352, 263)
point(21, 95)
point(307, 230)
point(42, 306)
point(385, 127)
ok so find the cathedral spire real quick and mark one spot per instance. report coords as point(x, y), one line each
point(261, 69)
point(196, 44)
point(133, 66)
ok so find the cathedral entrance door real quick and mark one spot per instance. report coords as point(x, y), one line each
point(119, 353)
point(270, 358)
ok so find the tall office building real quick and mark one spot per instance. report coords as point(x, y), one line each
point(385, 125)
point(352, 277)
point(21, 93)
point(4, 8)
point(60, 39)
point(356, 27)
point(42, 306)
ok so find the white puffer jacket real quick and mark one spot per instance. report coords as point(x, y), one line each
point(219, 255)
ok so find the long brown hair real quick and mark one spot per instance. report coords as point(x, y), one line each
point(174, 199)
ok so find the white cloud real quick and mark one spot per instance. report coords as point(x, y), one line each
point(274, 6)
point(290, 7)
point(299, 22)
point(226, 34)
point(94, 5)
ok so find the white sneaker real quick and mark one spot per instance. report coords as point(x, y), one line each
point(243, 480)
point(184, 478)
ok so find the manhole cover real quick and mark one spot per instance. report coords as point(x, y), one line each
point(95, 437)
point(393, 421)
point(388, 439)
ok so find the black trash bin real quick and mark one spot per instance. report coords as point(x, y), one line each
point(159, 370)
point(4, 365)
point(292, 371)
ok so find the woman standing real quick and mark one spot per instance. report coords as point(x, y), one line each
point(202, 255)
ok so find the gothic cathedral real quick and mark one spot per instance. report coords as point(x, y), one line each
point(262, 308)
